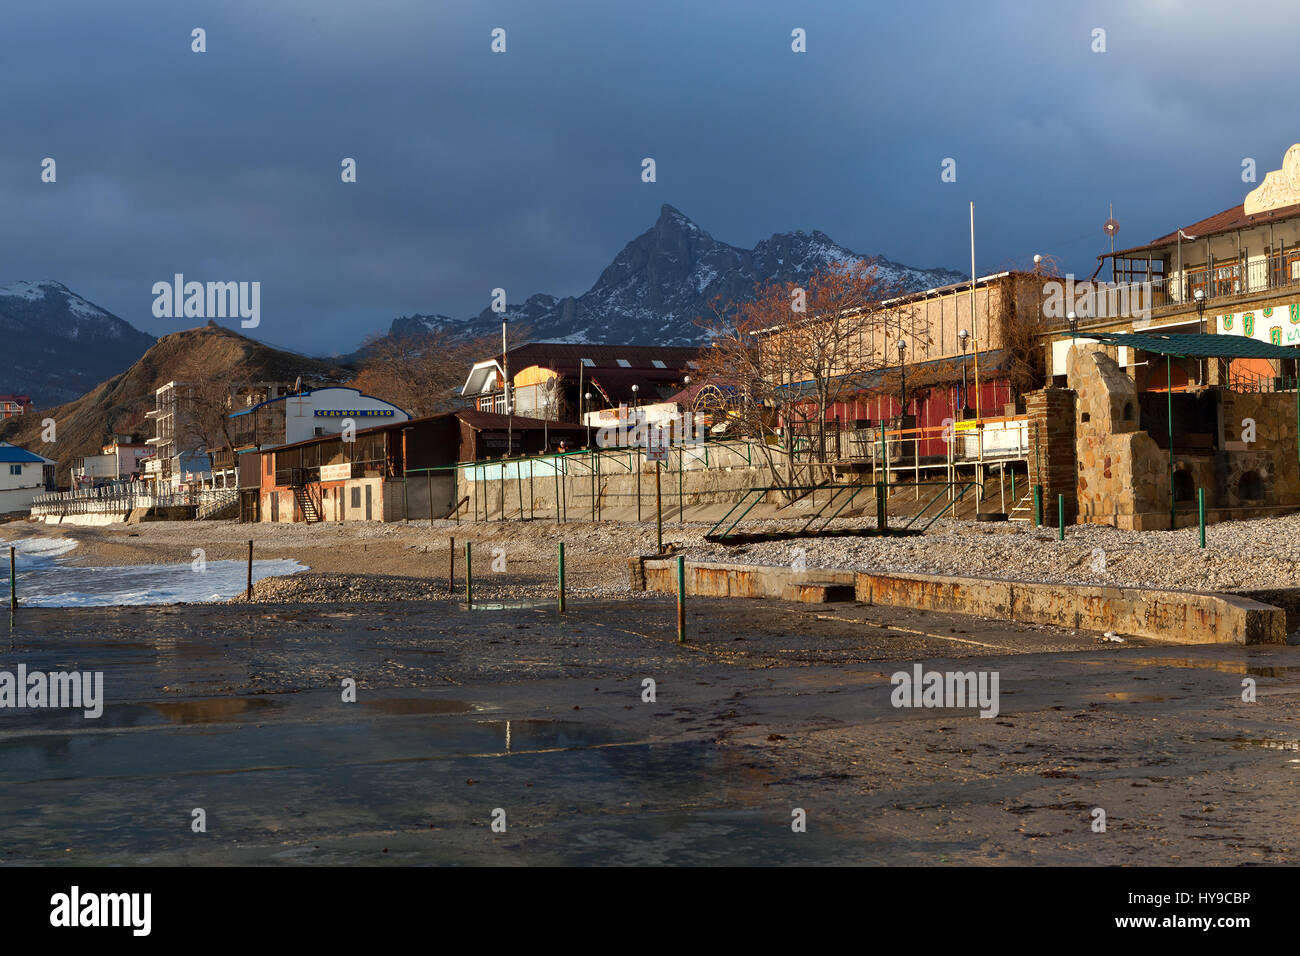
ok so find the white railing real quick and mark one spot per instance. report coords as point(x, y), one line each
point(122, 499)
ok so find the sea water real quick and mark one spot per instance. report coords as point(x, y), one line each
point(44, 580)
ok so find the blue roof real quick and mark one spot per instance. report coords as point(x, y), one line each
point(12, 454)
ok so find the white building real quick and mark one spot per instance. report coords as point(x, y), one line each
point(310, 414)
point(118, 460)
point(23, 476)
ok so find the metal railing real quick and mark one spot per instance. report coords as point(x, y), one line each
point(841, 499)
point(1226, 279)
point(121, 500)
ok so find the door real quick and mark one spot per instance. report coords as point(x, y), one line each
point(367, 502)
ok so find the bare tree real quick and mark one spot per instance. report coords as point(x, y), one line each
point(420, 372)
point(205, 400)
point(793, 351)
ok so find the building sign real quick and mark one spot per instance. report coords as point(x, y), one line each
point(354, 413)
point(340, 472)
point(1278, 325)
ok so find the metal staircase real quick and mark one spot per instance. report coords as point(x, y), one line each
point(305, 502)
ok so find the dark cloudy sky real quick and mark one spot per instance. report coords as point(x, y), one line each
point(522, 169)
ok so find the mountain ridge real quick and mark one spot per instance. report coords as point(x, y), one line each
point(59, 344)
point(661, 282)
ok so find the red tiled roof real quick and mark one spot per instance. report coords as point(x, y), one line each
point(1227, 221)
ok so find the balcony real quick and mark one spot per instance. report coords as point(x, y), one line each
point(1228, 280)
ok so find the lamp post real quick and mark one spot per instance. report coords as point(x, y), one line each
point(686, 384)
point(963, 337)
point(505, 384)
point(587, 396)
point(406, 475)
point(1199, 296)
point(636, 418)
point(902, 378)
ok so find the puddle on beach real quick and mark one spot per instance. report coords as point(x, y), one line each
point(541, 734)
point(419, 705)
point(507, 605)
point(210, 710)
point(1204, 663)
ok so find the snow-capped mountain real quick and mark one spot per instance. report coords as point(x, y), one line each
point(663, 280)
point(58, 345)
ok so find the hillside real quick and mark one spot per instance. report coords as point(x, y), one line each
point(119, 404)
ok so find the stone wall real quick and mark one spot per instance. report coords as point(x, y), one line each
point(1122, 472)
point(1261, 468)
point(1052, 460)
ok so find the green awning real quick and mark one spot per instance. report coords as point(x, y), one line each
point(1196, 345)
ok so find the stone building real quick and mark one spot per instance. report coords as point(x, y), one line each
point(1237, 448)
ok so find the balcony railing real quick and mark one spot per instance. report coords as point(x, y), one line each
point(1227, 279)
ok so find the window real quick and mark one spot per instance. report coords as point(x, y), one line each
point(623, 363)
point(15, 469)
point(356, 497)
point(657, 364)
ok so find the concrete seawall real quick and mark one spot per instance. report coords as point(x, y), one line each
point(1182, 617)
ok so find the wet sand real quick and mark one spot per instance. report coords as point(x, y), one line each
point(237, 709)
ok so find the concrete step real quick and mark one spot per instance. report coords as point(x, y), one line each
point(811, 592)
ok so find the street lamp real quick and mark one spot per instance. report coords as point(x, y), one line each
point(963, 336)
point(684, 421)
point(902, 378)
point(406, 477)
point(1199, 296)
point(587, 396)
point(636, 405)
point(505, 383)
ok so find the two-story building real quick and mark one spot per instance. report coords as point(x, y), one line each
point(552, 380)
point(23, 475)
point(1236, 272)
point(119, 459)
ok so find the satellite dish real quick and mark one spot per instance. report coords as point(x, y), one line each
point(1111, 227)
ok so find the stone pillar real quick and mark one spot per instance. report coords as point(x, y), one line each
point(1052, 456)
